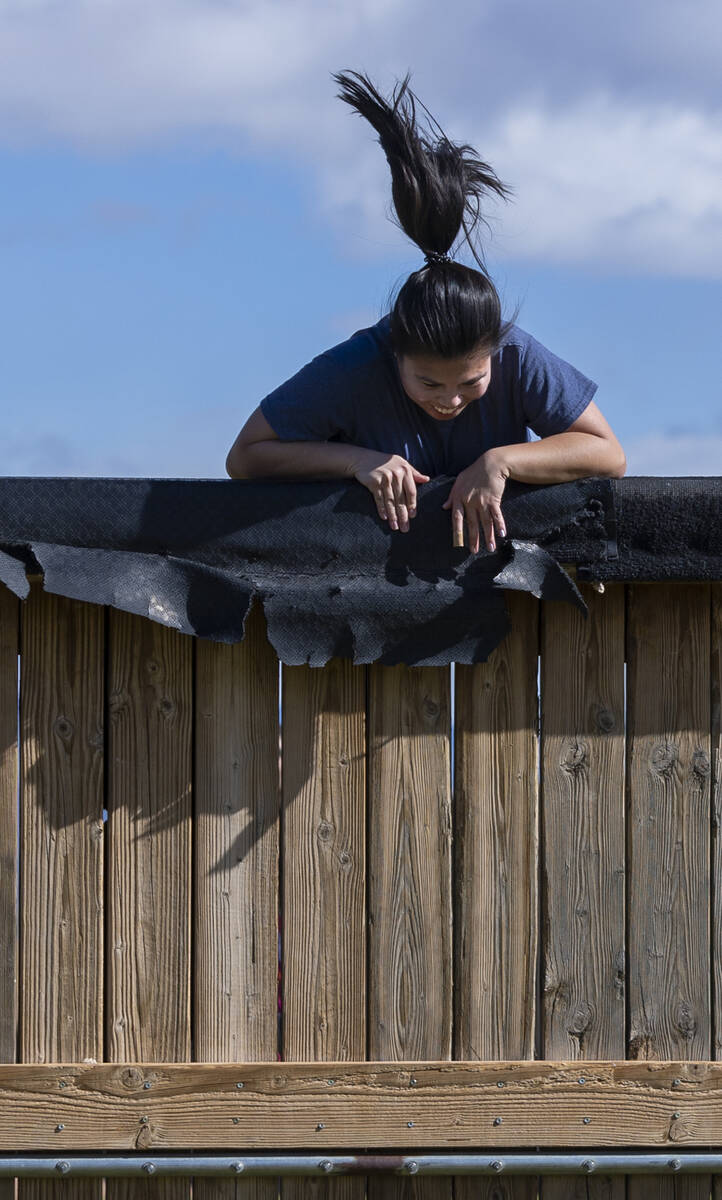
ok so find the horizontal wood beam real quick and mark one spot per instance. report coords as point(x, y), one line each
point(120, 1106)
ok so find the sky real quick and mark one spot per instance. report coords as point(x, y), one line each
point(188, 213)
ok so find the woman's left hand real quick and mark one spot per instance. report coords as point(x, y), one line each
point(476, 496)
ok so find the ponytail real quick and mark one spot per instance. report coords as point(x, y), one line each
point(445, 308)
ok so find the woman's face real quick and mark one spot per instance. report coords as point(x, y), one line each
point(444, 387)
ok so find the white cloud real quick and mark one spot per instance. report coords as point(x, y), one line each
point(675, 454)
point(605, 117)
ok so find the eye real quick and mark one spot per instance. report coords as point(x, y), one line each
point(431, 386)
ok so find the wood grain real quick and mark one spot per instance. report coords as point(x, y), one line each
point(583, 823)
point(495, 830)
point(149, 861)
point(357, 1105)
point(324, 879)
point(668, 757)
point(410, 907)
point(235, 919)
point(9, 648)
point(61, 897)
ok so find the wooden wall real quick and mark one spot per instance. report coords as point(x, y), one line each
point(447, 876)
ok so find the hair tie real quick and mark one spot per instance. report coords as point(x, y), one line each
point(433, 257)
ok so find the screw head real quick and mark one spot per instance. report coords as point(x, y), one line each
point(63, 1167)
point(410, 1124)
point(586, 1120)
point(581, 1079)
point(675, 1164)
point(496, 1165)
point(320, 1125)
point(326, 1166)
point(676, 1116)
point(62, 1083)
point(676, 1082)
point(412, 1168)
point(146, 1085)
point(588, 1164)
point(238, 1167)
point(500, 1083)
point(235, 1120)
point(330, 1082)
point(412, 1081)
point(497, 1120)
point(59, 1128)
point(149, 1168)
point(239, 1086)
point(144, 1120)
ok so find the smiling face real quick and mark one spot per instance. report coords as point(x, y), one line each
point(444, 387)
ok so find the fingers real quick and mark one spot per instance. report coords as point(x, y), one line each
point(486, 523)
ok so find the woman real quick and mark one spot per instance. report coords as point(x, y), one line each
point(441, 385)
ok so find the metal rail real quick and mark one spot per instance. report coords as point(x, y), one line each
point(228, 1165)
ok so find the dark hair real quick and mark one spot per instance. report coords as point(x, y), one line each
point(445, 308)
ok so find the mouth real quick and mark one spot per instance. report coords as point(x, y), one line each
point(447, 412)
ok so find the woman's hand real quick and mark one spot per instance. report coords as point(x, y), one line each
point(476, 495)
point(392, 482)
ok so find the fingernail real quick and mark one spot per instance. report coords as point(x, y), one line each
point(502, 532)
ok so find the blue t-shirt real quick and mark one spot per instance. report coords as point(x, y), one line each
point(353, 393)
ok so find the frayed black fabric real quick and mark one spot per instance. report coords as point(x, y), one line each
point(330, 575)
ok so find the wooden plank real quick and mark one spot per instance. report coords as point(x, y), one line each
point(149, 860)
point(582, 766)
point(496, 799)
point(495, 819)
point(9, 647)
point(364, 1104)
point(324, 879)
point(61, 901)
point(668, 756)
point(716, 864)
point(235, 920)
point(583, 823)
point(410, 908)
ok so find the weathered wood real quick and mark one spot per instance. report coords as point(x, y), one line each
point(9, 647)
point(668, 757)
point(583, 834)
point(324, 878)
point(237, 802)
point(149, 826)
point(61, 983)
point(410, 907)
point(582, 765)
point(495, 832)
point(495, 823)
point(716, 802)
point(347, 1105)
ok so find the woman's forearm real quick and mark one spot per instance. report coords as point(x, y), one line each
point(293, 460)
point(560, 457)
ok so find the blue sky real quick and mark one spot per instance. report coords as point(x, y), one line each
point(187, 214)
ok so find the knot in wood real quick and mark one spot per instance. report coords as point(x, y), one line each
point(581, 1019)
point(131, 1078)
point(575, 757)
point(605, 720)
point(664, 756)
point(430, 709)
point(700, 764)
point(685, 1021)
point(63, 728)
point(167, 707)
point(324, 831)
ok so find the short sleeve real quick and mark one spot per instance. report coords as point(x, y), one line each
point(313, 405)
point(553, 392)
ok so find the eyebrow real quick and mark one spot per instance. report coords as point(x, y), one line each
point(464, 382)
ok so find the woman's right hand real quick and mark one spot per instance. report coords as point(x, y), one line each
point(392, 482)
